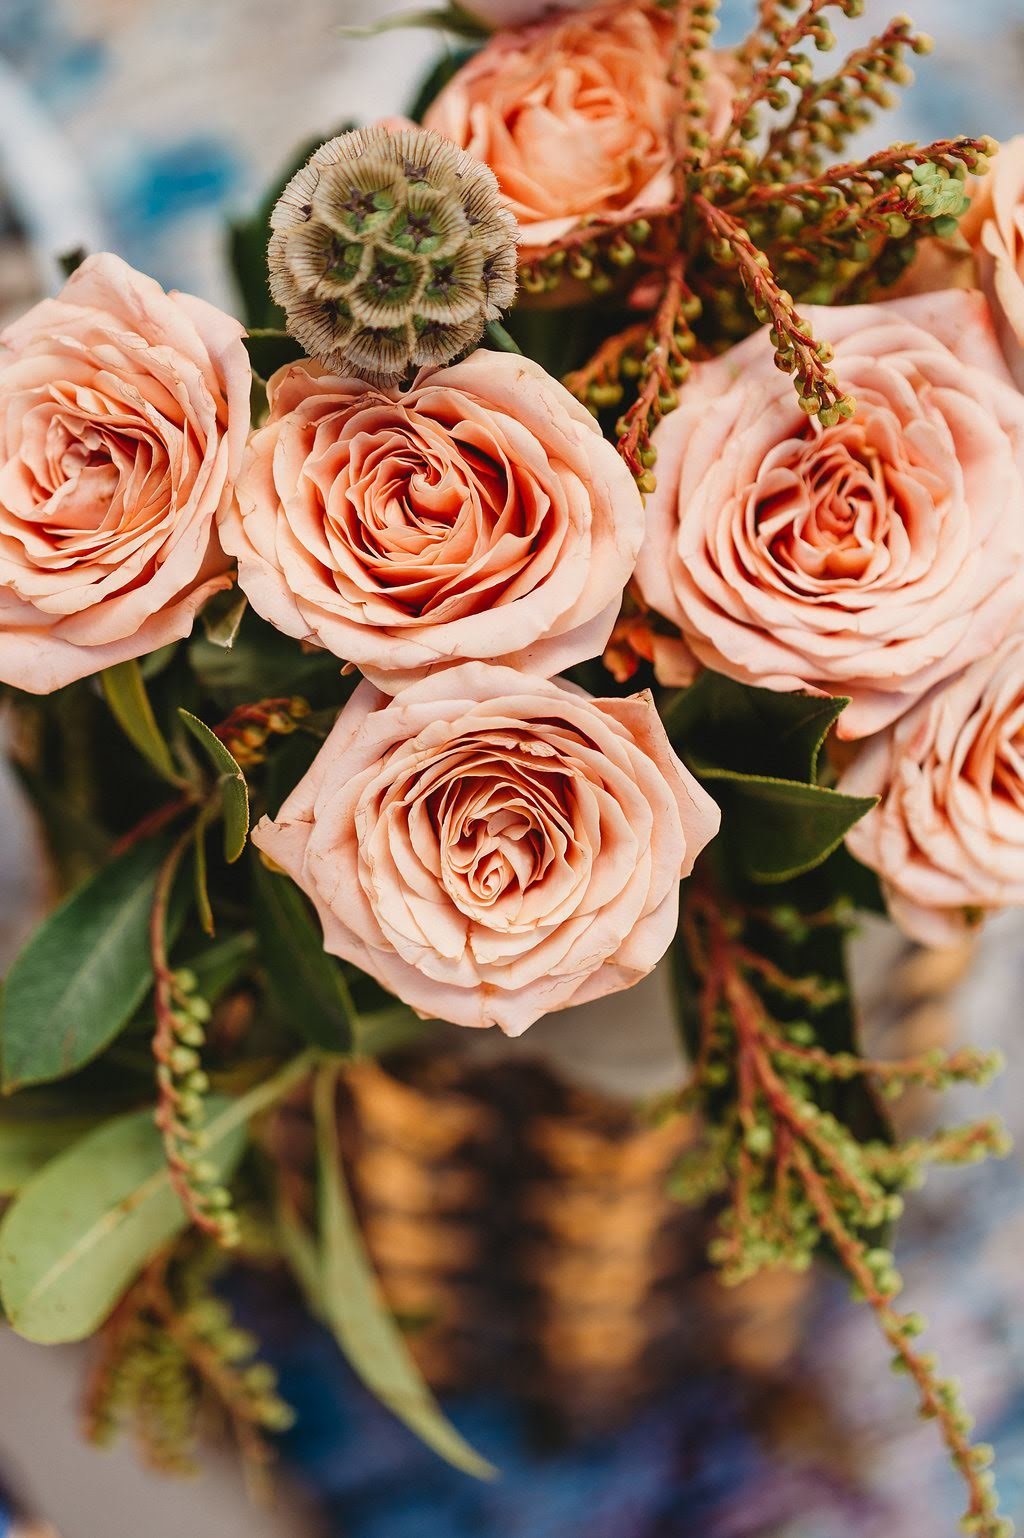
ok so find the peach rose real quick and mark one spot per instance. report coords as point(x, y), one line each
point(492, 846)
point(870, 559)
point(574, 116)
point(478, 514)
point(994, 226)
point(947, 837)
point(123, 416)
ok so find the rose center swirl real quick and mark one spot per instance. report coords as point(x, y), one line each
point(837, 507)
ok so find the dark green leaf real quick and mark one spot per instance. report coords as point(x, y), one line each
point(82, 1229)
point(222, 616)
point(308, 984)
point(234, 791)
point(437, 79)
point(70, 261)
point(263, 662)
point(499, 339)
point(270, 348)
point(777, 829)
point(353, 1308)
point(126, 695)
point(83, 973)
point(202, 890)
point(735, 726)
point(77, 843)
point(219, 966)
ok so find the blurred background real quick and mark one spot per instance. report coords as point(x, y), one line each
point(139, 126)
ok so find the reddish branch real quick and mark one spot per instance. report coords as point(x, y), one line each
point(799, 1159)
point(816, 379)
point(657, 389)
point(935, 1404)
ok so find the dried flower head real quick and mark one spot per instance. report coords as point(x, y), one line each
point(391, 249)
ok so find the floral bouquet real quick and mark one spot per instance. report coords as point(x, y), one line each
point(603, 542)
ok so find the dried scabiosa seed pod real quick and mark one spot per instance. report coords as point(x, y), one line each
point(391, 249)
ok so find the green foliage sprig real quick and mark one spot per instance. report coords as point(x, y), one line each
point(795, 1174)
point(170, 1349)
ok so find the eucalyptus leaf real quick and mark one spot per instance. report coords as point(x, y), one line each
point(82, 1229)
point(308, 984)
point(777, 829)
point(83, 973)
point(234, 791)
point(125, 693)
point(356, 1313)
point(27, 1143)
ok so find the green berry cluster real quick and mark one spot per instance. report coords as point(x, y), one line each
point(182, 1085)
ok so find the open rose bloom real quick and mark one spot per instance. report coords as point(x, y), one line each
point(994, 227)
point(870, 559)
point(123, 417)
point(947, 837)
point(491, 845)
point(477, 514)
point(574, 116)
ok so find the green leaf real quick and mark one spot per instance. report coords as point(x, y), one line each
point(77, 843)
point(82, 974)
point(357, 1315)
point(126, 695)
point(499, 339)
point(218, 966)
point(69, 261)
point(234, 791)
point(736, 726)
point(270, 348)
point(778, 829)
point(26, 1144)
point(263, 662)
point(83, 1228)
point(222, 616)
point(202, 890)
point(308, 984)
point(435, 82)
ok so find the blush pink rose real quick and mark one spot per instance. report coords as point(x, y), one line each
point(947, 837)
point(870, 559)
point(477, 514)
point(994, 227)
point(574, 116)
point(491, 846)
point(123, 416)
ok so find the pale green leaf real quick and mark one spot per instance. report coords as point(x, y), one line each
point(26, 1144)
point(82, 1229)
point(234, 791)
point(126, 695)
point(357, 1315)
